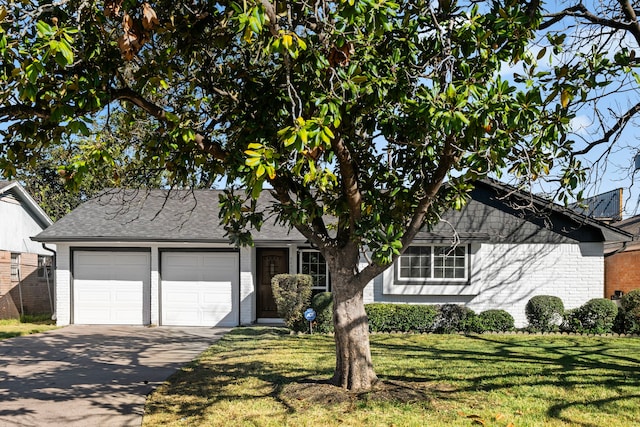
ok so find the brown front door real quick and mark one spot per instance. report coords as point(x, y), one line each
point(270, 262)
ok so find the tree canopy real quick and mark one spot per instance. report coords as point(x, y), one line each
point(353, 113)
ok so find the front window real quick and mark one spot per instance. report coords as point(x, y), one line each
point(433, 263)
point(312, 263)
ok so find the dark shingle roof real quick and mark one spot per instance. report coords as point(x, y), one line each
point(498, 213)
point(152, 215)
point(192, 216)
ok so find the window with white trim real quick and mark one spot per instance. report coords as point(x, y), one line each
point(433, 264)
point(15, 266)
point(312, 263)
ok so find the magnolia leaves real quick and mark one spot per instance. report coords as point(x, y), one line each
point(136, 31)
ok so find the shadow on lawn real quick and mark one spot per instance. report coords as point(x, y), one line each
point(535, 362)
point(532, 363)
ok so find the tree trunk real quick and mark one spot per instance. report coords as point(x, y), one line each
point(354, 369)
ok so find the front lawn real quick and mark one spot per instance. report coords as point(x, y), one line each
point(28, 325)
point(266, 377)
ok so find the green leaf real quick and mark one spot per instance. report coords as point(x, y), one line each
point(66, 50)
point(44, 29)
point(252, 161)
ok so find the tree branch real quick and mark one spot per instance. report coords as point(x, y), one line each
point(273, 18)
point(581, 12)
point(349, 175)
point(21, 111)
point(203, 143)
point(619, 125)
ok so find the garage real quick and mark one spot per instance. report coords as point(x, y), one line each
point(199, 288)
point(111, 287)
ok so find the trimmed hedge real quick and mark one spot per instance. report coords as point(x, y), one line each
point(453, 318)
point(544, 313)
point(400, 317)
point(322, 303)
point(598, 315)
point(496, 321)
point(292, 293)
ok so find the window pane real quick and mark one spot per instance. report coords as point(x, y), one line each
point(433, 262)
point(313, 264)
point(415, 263)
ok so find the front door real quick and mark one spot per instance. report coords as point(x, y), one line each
point(270, 262)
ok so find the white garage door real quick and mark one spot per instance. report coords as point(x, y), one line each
point(199, 288)
point(109, 287)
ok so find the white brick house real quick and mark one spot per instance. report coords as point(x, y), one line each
point(158, 258)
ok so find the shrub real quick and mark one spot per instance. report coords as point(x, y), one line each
point(400, 317)
point(381, 317)
point(322, 303)
point(496, 320)
point(630, 316)
point(544, 312)
point(417, 318)
point(453, 318)
point(292, 293)
point(596, 316)
point(570, 321)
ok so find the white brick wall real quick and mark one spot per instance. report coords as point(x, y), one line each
point(63, 285)
point(247, 286)
point(155, 286)
point(513, 273)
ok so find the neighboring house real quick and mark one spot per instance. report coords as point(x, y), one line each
point(137, 257)
point(26, 280)
point(622, 261)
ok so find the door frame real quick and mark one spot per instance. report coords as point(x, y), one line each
point(260, 251)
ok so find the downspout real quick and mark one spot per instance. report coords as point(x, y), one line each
point(54, 315)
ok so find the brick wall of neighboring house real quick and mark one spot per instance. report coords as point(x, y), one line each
point(622, 272)
point(30, 294)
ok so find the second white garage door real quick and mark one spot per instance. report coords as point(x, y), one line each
point(199, 288)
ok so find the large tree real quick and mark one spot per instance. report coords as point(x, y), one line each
point(352, 113)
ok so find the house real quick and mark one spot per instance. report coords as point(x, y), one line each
point(26, 282)
point(622, 261)
point(161, 257)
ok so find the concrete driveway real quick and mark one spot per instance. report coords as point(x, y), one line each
point(91, 375)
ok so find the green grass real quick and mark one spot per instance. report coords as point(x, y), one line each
point(27, 325)
point(266, 377)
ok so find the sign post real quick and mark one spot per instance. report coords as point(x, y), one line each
point(310, 315)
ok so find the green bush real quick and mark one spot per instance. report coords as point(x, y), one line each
point(292, 293)
point(544, 313)
point(630, 316)
point(496, 320)
point(322, 303)
point(400, 317)
point(570, 321)
point(381, 317)
point(453, 318)
point(596, 316)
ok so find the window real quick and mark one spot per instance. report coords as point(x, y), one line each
point(433, 263)
point(15, 267)
point(44, 267)
point(312, 263)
